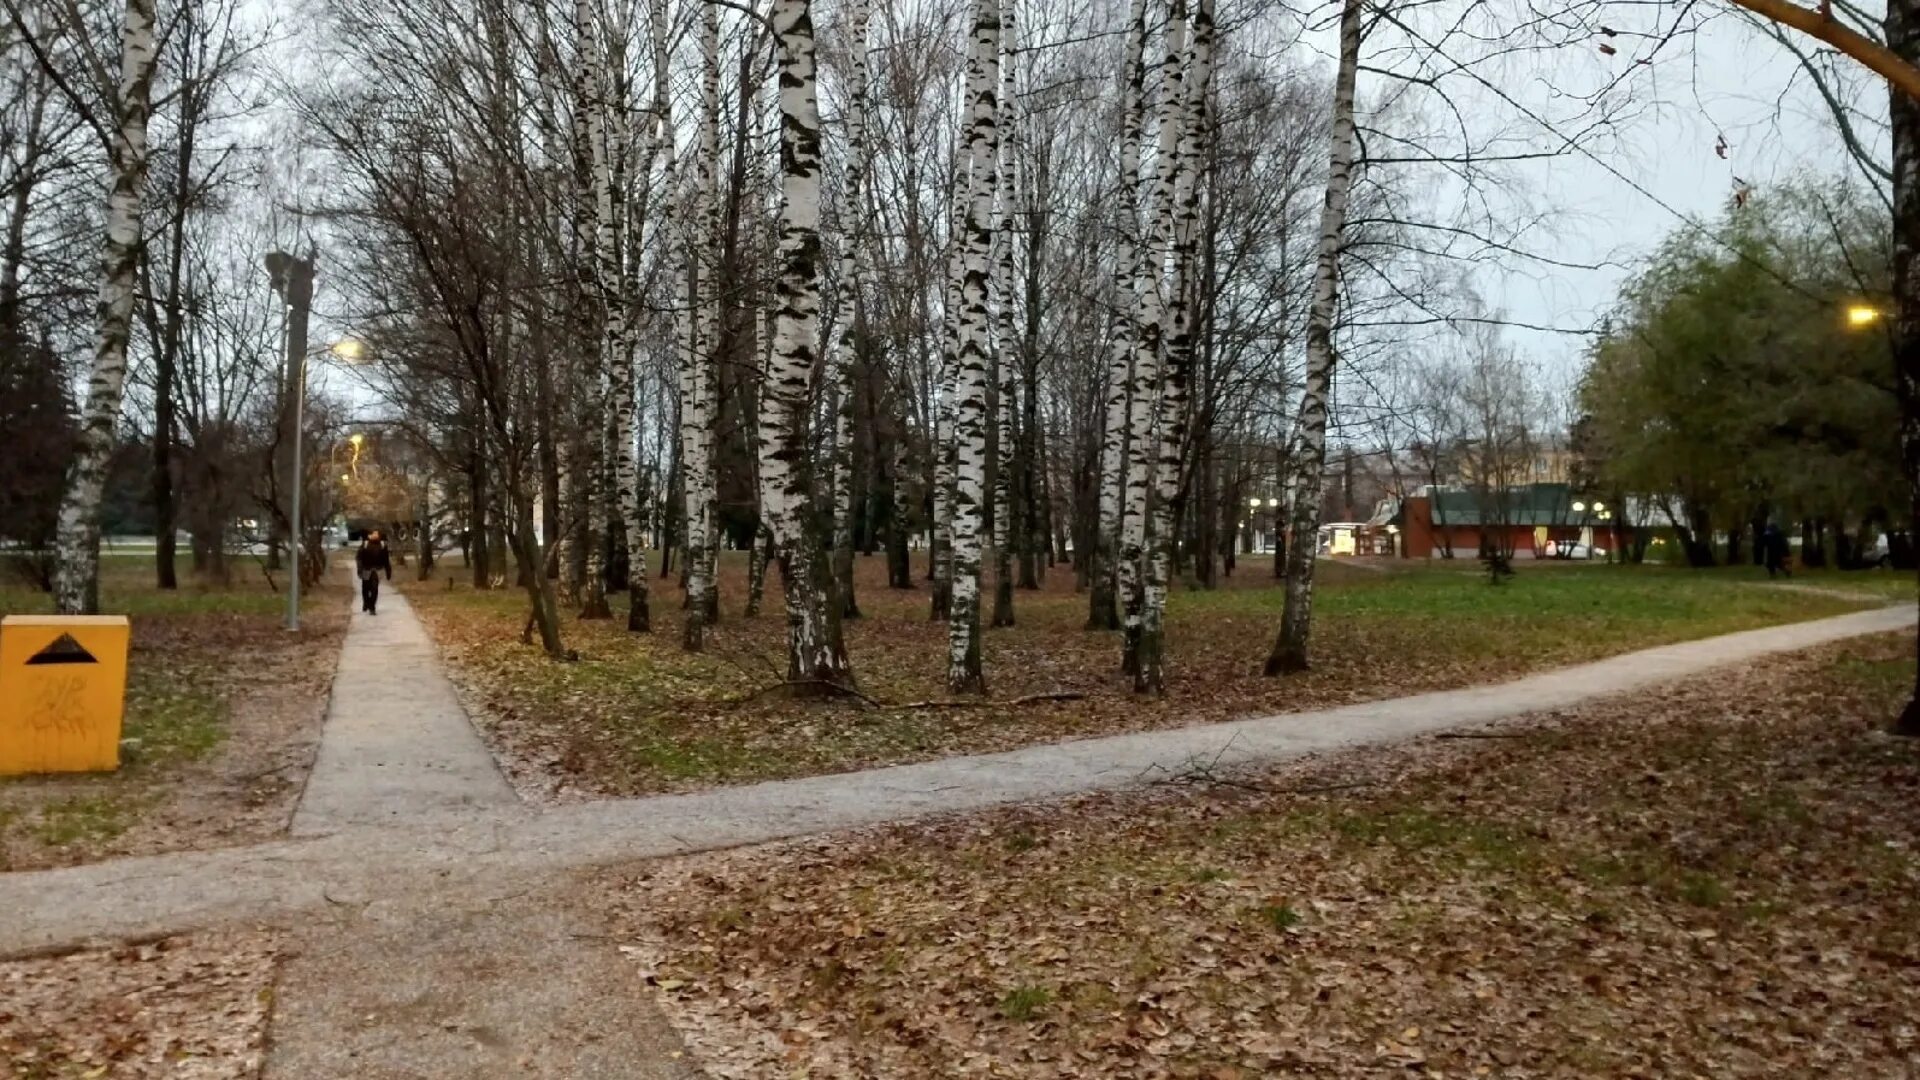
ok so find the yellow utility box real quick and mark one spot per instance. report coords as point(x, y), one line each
point(63, 687)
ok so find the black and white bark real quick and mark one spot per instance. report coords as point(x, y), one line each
point(816, 657)
point(1310, 425)
point(1004, 338)
point(1143, 405)
point(853, 290)
point(973, 327)
point(76, 580)
point(596, 282)
point(1103, 612)
point(1175, 394)
point(701, 335)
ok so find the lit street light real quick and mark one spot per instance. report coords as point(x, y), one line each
point(1863, 315)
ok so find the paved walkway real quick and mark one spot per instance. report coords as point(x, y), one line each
point(397, 748)
point(501, 849)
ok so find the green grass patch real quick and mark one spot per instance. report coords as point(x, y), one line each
point(1888, 677)
point(169, 719)
point(1024, 1003)
point(84, 819)
point(1279, 916)
point(1556, 610)
point(1417, 829)
point(1892, 585)
point(128, 587)
point(637, 713)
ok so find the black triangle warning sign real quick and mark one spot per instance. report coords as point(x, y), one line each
point(63, 650)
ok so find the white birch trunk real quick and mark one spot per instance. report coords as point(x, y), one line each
point(853, 257)
point(944, 462)
point(1102, 613)
point(1004, 337)
point(1176, 392)
point(594, 230)
point(1296, 622)
point(618, 289)
point(710, 298)
point(816, 659)
point(1150, 330)
point(701, 330)
point(973, 325)
point(76, 581)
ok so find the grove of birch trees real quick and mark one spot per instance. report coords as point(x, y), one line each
point(991, 290)
point(885, 285)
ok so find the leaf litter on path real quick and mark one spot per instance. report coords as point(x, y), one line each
point(193, 1007)
point(1715, 878)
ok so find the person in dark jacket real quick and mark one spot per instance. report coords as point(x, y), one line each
point(371, 561)
point(1774, 545)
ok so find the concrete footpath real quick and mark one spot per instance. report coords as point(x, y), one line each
point(495, 849)
point(397, 749)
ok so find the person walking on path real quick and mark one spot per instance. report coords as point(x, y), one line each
point(371, 561)
point(1773, 543)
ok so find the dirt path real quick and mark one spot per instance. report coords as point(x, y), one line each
point(397, 748)
point(490, 849)
point(494, 983)
point(481, 982)
point(428, 926)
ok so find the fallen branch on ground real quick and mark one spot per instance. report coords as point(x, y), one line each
point(1481, 735)
point(1027, 699)
point(833, 687)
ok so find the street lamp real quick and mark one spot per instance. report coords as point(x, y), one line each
point(348, 351)
point(1859, 315)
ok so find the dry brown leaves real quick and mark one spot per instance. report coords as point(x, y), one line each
point(233, 783)
point(1710, 880)
point(190, 1007)
point(636, 715)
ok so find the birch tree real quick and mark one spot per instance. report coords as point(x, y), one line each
point(1148, 341)
point(702, 336)
point(973, 327)
point(853, 292)
point(123, 133)
point(1102, 612)
point(598, 281)
point(1175, 403)
point(1004, 369)
point(816, 657)
point(1296, 622)
point(619, 232)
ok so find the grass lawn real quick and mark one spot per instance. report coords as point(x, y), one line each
point(636, 714)
point(1711, 879)
point(221, 716)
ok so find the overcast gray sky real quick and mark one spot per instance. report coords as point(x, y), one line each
point(1731, 80)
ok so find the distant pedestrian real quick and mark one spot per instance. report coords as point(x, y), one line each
point(371, 561)
point(1773, 544)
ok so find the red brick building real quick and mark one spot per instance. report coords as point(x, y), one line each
point(1522, 519)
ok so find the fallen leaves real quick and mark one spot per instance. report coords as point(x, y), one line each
point(637, 715)
point(1524, 907)
point(190, 1007)
point(223, 715)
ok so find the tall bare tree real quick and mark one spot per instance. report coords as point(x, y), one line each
point(1290, 648)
